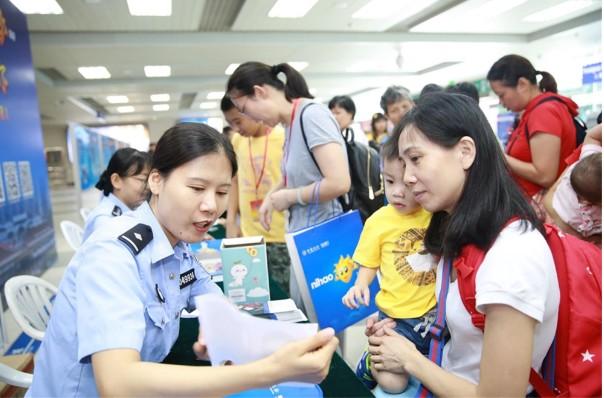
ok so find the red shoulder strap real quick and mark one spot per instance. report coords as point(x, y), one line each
point(466, 265)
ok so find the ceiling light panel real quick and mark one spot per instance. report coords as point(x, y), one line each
point(125, 109)
point(494, 8)
point(557, 11)
point(94, 72)
point(291, 8)
point(208, 105)
point(38, 6)
point(117, 99)
point(215, 95)
point(150, 8)
point(385, 9)
point(159, 97)
point(161, 107)
point(158, 70)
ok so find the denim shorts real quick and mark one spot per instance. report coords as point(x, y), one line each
point(417, 330)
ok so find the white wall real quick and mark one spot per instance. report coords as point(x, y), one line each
point(55, 135)
point(158, 126)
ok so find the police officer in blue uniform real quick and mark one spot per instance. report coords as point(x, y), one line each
point(117, 311)
point(123, 185)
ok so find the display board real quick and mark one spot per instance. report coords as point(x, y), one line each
point(92, 151)
point(27, 240)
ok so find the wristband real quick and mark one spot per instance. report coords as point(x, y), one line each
point(299, 197)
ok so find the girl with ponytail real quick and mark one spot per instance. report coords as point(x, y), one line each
point(123, 184)
point(315, 165)
point(545, 135)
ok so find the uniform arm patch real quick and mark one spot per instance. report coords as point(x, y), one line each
point(137, 237)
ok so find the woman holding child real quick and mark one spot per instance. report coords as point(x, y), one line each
point(456, 170)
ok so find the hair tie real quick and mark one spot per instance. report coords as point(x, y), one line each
point(538, 72)
point(275, 70)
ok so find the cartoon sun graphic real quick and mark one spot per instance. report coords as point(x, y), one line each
point(344, 268)
point(252, 251)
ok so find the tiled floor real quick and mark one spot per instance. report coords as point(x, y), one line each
point(65, 207)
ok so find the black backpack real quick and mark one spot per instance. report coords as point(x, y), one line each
point(366, 192)
point(580, 126)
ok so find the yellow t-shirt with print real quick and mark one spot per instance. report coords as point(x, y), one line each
point(388, 237)
point(255, 178)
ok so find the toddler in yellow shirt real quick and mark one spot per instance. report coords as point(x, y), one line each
point(392, 242)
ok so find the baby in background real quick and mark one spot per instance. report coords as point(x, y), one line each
point(574, 203)
point(586, 181)
point(391, 241)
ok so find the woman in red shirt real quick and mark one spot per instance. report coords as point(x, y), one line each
point(546, 133)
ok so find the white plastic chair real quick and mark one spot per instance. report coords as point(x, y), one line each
point(84, 213)
point(15, 377)
point(73, 233)
point(29, 300)
point(8, 374)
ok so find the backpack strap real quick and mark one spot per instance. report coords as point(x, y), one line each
point(438, 328)
point(466, 265)
point(576, 120)
point(547, 99)
point(541, 387)
point(312, 156)
point(348, 134)
point(343, 200)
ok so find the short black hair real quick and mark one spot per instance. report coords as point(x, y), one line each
point(394, 94)
point(344, 102)
point(226, 104)
point(389, 150)
point(187, 141)
point(430, 88)
point(125, 162)
point(465, 88)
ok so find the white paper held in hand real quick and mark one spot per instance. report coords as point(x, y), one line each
point(231, 335)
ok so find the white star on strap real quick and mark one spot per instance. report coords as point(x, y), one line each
point(587, 356)
point(138, 236)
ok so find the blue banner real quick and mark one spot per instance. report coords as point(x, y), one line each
point(27, 242)
point(592, 73)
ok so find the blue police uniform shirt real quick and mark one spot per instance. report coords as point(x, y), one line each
point(112, 298)
point(105, 210)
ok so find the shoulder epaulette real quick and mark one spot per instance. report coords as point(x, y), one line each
point(137, 237)
point(116, 211)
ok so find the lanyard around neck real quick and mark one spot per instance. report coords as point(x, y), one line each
point(258, 180)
